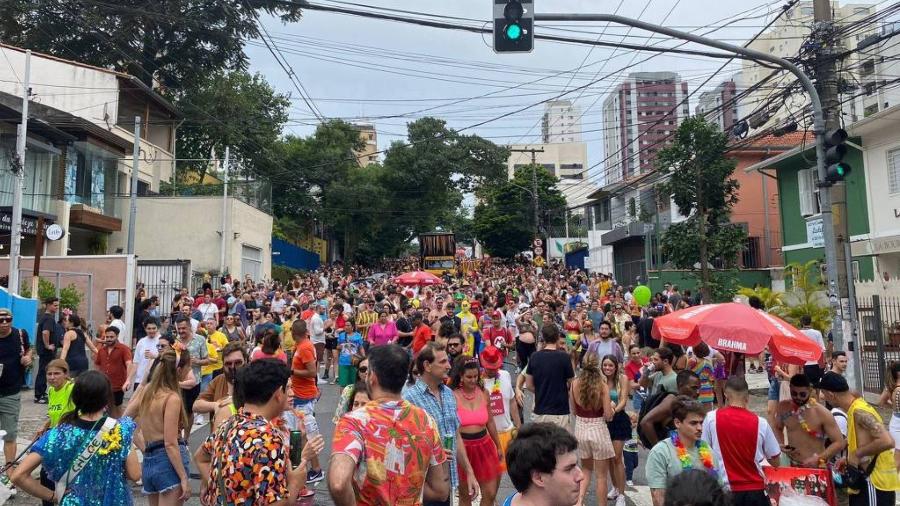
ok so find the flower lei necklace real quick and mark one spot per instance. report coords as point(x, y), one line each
point(684, 457)
point(112, 441)
point(798, 412)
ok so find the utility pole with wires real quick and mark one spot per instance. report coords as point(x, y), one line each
point(135, 166)
point(842, 295)
point(534, 188)
point(225, 169)
point(15, 227)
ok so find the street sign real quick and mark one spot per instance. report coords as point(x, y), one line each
point(538, 251)
point(538, 243)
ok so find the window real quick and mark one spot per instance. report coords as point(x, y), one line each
point(251, 261)
point(808, 192)
point(861, 11)
point(893, 170)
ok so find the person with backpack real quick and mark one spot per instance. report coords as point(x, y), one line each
point(655, 420)
point(15, 358)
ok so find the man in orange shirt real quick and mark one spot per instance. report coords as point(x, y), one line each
point(422, 334)
point(303, 384)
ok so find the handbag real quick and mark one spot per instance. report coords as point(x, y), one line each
point(82, 460)
point(855, 477)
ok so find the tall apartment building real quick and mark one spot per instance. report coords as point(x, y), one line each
point(638, 117)
point(785, 39)
point(719, 105)
point(369, 153)
point(878, 64)
point(561, 122)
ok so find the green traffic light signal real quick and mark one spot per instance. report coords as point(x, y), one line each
point(842, 169)
point(513, 32)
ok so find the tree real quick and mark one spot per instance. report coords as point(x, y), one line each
point(504, 217)
point(234, 109)
point(168, 41)
point(807, 296)
point(700, 183)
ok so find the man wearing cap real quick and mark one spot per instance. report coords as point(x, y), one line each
point(501, 397)
point(494, 334)
point(869, 444)
point(15, 358)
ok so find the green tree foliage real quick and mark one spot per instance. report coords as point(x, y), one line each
point(772, 301)
point(807, 296)
point(504, 216)
point(701, 184)
point(69, 296)
point(169, 41)
point(234, 109)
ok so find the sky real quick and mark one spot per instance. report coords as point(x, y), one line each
point(361, 69)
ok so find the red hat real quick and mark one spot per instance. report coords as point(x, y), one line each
point(491, 358)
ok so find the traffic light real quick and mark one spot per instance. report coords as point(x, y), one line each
point(513, 26)
point(835, 150)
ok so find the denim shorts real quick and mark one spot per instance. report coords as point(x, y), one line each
point(307, 405)
point(158, 475)
point(774, 389)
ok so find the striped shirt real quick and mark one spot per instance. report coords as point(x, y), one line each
point(364, 321)
point(444, 414)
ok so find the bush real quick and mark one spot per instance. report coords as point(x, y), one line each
point(69, 296)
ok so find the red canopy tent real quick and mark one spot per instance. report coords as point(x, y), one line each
point(737, 328)
point(418, 278)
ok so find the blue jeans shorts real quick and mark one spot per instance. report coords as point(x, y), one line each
point(158, 475)
point(307, 405)
point(774, 389)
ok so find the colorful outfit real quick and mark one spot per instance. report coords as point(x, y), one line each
point(704, 370)
point(249, 462)
point(394, 444)
point(480, 448)
point(349, 346)
point(102, 480)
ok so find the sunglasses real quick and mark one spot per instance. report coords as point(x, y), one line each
point(5, 319)
point(161, 346)
point(234, 363)
point(363, 369)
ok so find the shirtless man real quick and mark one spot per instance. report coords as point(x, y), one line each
point(808, 425)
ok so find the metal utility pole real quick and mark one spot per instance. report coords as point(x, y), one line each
point(534, 189)
point(224, 212)
point(15, 226)
point(844, 317)
point(135, 166)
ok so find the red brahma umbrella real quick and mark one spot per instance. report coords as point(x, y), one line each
point(418, 278)
point(738, 328)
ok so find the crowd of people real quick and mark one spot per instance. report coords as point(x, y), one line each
point(550, 376)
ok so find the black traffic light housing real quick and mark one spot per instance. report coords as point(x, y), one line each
point(513, 26)
point(836, 169)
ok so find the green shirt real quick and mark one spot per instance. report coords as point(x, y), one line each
point(59, 402)
point(663, 463)
point(668, 382)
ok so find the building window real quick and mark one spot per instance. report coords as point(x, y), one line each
point(251, 261)
point(893, 166)
point(808, 192)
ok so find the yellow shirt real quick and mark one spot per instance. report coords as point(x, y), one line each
point(287, 336)
point(216, 363)
point(884, 476)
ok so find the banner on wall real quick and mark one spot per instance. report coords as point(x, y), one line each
point(812, 482)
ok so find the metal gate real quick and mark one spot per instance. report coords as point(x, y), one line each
point(879, 324)
point(163, 278)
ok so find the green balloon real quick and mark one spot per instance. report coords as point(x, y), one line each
point(642, 295)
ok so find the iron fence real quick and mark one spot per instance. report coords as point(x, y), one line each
point(163, 278)
point(879, 327)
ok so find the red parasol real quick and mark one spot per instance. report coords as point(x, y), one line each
point(738, 328)
point(418, 278)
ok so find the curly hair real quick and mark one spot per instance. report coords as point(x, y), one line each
point(590, 382)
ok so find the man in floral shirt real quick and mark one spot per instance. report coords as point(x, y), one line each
point(246, 460)
point(389, 451)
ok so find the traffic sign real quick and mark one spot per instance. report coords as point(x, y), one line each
point(538, 243)
point(538, 251)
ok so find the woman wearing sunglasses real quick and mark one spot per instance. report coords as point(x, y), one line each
point(347, 394)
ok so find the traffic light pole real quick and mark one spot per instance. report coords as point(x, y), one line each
point(744, 53)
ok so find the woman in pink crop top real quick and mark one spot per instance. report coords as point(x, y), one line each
point(479, 435)
point(590, 397)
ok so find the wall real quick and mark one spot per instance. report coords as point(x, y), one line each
point(758, 195)
point(295, 257)
point(108, 272)
point(687, 280)
point(554, 154)
point(188, 228)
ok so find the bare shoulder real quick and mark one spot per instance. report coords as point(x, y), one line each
point(868, 422)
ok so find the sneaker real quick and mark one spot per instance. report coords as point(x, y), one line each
point(629, 483)
point(325, 376)
point(314, 476)
point(321, 381)
point(8, 484)
point(620, 500)
point(200, 420)
point(41, 400)
point(613, 494)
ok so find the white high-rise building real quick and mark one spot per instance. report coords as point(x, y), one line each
point(878, 62)
point(785, 39)
point(561, 122)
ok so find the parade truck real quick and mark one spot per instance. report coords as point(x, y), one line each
point(437, 252)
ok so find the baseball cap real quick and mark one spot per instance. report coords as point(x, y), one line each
point(833, 382)
point(491, 358)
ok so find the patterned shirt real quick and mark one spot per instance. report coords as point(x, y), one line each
point(704, 370)
point(394, 444)
point(364, 320)
point(249, 462)
point(444, 413)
